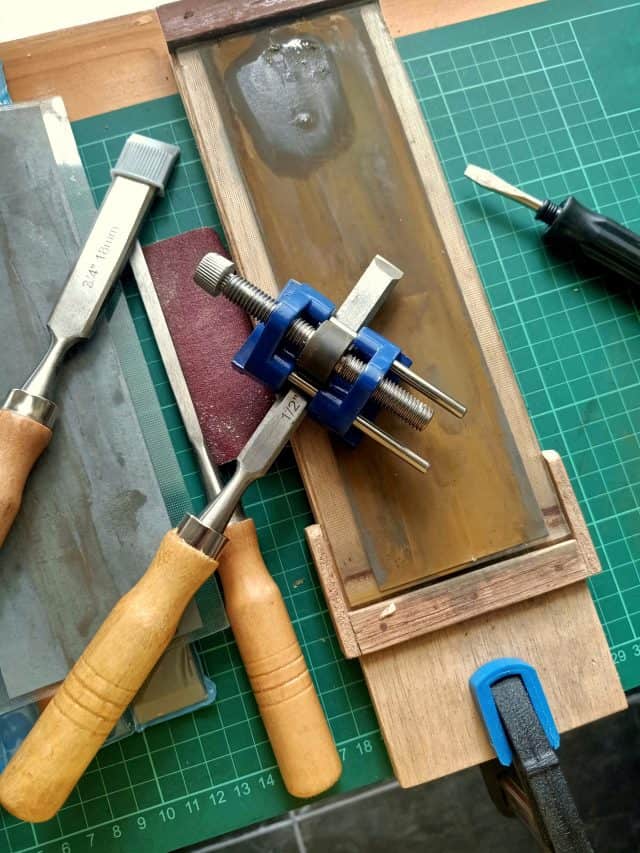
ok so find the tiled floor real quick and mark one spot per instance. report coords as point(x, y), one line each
point(455, 814)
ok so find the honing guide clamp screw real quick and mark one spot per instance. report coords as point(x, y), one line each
point(330, 354)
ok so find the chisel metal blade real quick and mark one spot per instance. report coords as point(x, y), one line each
point(142, 170)
point(257, 456)
point(100, 261)
point(210, 473)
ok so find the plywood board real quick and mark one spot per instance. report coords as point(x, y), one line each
point(438, 636)
point(420, 689)
point(312, 194)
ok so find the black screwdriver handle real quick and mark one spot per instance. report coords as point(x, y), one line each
point(597, 237)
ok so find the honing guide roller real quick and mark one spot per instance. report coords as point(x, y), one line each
point(75, 724)
point(28, 413)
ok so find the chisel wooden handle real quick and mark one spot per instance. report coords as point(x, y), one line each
point(22, 440)
point(289, 705)
point(90, 701)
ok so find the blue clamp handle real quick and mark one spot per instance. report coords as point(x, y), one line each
point(481, 682)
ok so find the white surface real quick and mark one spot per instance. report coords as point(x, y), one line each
point(20, 18)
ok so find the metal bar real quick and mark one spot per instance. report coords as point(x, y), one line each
point(368, 428)
point(431, 391)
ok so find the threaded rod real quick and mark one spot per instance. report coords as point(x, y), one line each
point(389, 395)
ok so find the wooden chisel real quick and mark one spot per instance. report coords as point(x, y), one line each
point(296, 724)
point(28, 413)
point(103, 682)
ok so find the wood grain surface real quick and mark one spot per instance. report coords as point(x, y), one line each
point(404, 17)
point(285, 694)
point(122, 61)
point(439, 605)
point(22, 440)
point(333, 591)
point(420, 689)
point(187, 21)
point(96, 67)
point(571, 509)
point(322, 192)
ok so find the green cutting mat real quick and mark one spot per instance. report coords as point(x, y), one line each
point(515, 93)
point(549, 98)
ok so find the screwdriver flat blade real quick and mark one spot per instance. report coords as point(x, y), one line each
point(486, 179)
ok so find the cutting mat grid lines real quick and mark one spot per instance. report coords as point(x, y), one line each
point(526, 105)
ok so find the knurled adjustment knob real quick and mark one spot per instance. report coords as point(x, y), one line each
point(212, 271)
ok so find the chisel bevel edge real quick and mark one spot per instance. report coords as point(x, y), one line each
point(28, 413)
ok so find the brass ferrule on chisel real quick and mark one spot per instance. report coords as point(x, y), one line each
point(142, 170)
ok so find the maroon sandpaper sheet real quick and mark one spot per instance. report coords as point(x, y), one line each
point(207, 332)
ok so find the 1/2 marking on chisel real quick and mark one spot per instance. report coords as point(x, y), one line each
point(292, 408)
